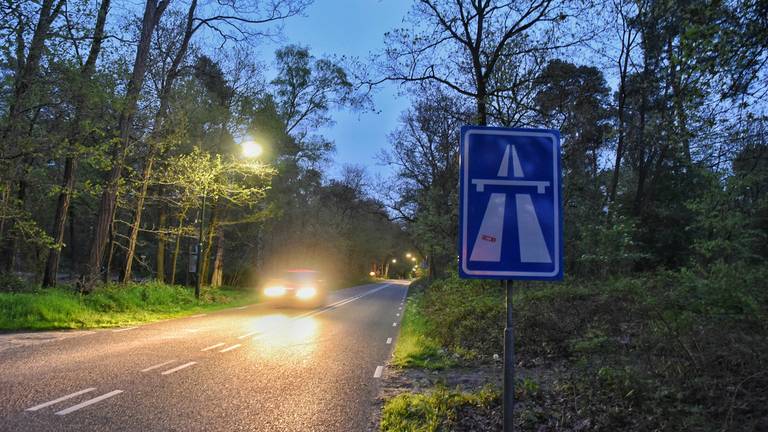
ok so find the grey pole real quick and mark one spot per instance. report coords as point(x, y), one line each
point(200, 247)
point(509, 363)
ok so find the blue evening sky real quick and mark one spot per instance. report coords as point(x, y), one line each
point(353, 28)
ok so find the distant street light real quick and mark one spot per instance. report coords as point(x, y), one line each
point(372, 274)
point(408, 255)
point(394, 260)
point(413, 259)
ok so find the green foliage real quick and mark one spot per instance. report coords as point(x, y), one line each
point(112, 305)
point(438, 410)
point(415, 348)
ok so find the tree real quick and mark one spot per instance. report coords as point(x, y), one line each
point(76, 135)
point(153, 10)
point(461, 45)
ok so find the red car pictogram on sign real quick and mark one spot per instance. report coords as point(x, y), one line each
point(486, 237)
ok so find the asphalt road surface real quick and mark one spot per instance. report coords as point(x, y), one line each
point(255, 368)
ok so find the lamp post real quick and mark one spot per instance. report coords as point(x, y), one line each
point(199, 281)
point(250, 149)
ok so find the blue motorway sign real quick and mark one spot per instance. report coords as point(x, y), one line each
point(510, 204)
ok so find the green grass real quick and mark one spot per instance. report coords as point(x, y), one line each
point(438, 410)
point(109, 306)
point(414, 348)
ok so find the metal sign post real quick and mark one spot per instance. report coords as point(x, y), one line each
point(510, 217)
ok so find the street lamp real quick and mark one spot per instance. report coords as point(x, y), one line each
point(408, 255)
point(249, 149)
point(394, 260)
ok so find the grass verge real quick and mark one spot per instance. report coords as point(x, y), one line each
point(109, 306)
point(414, 347)
point(439, 410)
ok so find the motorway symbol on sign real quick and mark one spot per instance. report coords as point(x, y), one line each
point(510, 209)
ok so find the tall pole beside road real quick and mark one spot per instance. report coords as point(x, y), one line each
point(509, 363)
point(200, 242)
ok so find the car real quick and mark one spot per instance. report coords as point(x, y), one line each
point(297, 288)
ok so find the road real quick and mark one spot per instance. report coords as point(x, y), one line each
point(255, 368)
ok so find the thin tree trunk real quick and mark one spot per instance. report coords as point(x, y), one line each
point(177, 246)
point(218, 264)
point(60, 220)
point(206, 261)
point(161, 237)
point(134, 235)
point(152, 12)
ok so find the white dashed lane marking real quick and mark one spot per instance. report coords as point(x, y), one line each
point(235, 346)
point(213, 346)
point(123, 329)
point(394, 324)
point(159, 365)
point(389, 341)
point(178, 368)
point(379, 370)
point(89, 402)
point(61, 399)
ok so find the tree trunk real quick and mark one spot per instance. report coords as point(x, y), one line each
point(60, 220)
point(177, 246)
point(218, 264)
point(161, 237)
point(152, 12)
point(70, 165)
point(206, 261)
point(134, 235)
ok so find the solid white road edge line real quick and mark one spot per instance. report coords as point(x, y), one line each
point(89, 402)
point(379, 370)
point(157, 366)
point(212, 346)
point(241, 307)
point(389, 341)
point(124, 329)
point(61, 399)
point(235, 346)
point(177, 368)
point(198, 315)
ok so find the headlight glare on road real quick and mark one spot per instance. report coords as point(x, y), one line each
point(274, 291)
point(306, 293)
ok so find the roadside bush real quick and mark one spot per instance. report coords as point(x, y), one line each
point(466, 316)
point(670, 350)
point(11, 283)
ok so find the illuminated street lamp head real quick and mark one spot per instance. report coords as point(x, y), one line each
point(413, 259)
point(408, 255)
point(372, 274)
point(394, 260)
point(251, 149)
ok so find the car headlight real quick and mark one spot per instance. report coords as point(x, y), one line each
point(306, 292)
point(274, 291)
